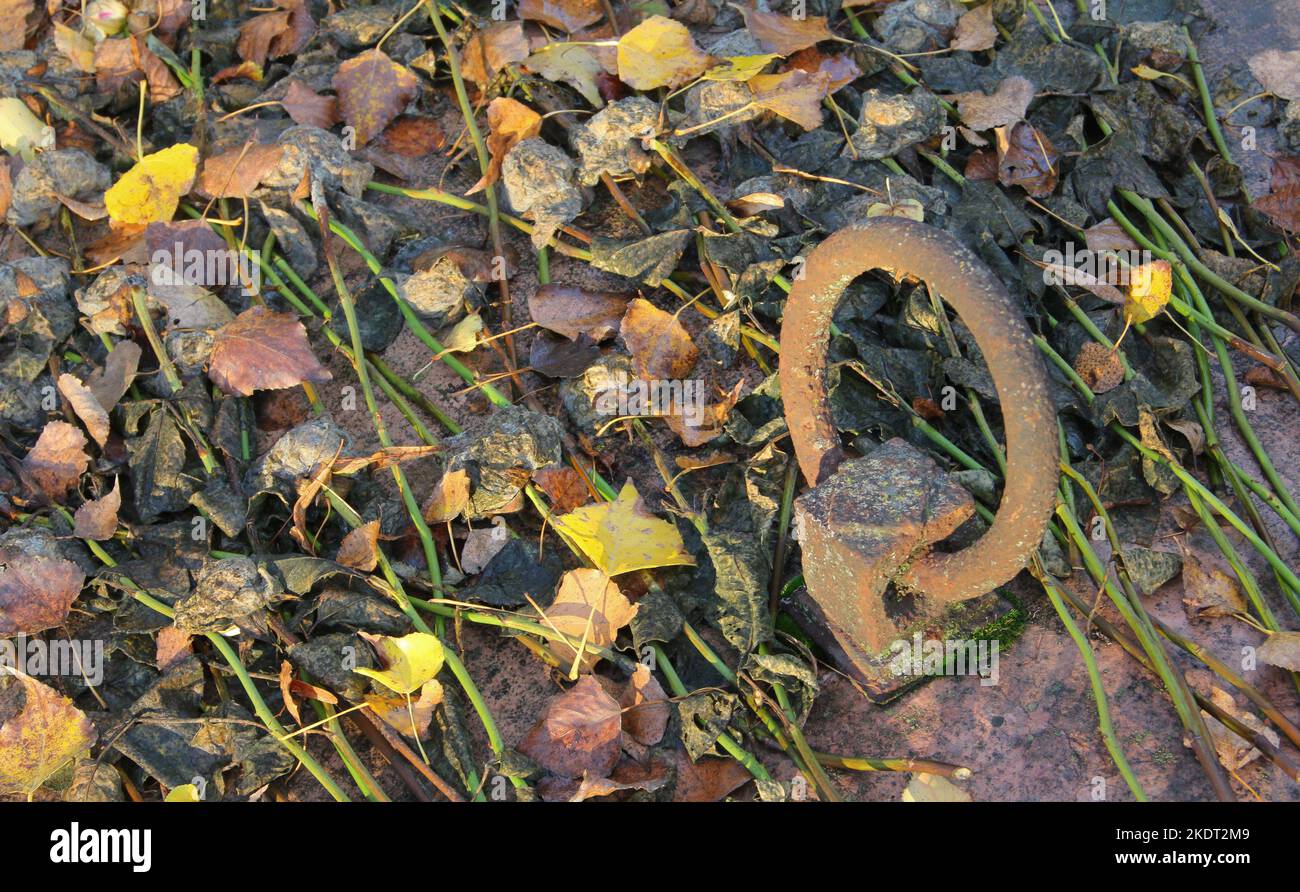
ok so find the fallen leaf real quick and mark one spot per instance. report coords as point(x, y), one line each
point(933, 788)
point(151, 190)
point(97, 518)
point(408, 662)
point(590, 607)
point(281, 32)
point(372, 90)
point(564, 486)
point(1209, 591)
point(482, 544)
point(413, 137)
point(622, 536)
point(492, 49)
point(171, 647)
point(21, 132)
point(57, 461)
point(1027, 159)
point(237, 172)
point(1108, 236)
point(1279, 72)
point(398, 711)
point(580, 733)
point(660, 345)
point(359, 548)
point(1101, 369)
point(784, 34)
point(707, 780)
point(740, 68)
point(449, 497)
point(568, 63)
point(1005, 107)
point(86, 406)
point(907, 208)
point(795, 95)
point(263, 350)
point(573, 311)
point(975, 30)
point(755, 203)
point(566, 15)
point(659, 52)
point(1281, 649)
point(645, 707)
point(509, 123)
point(46, 734)
point(13, 23)
point(1150, 286)
point(841, 70)
point(35, 592)
point(183, 793)
point(309, 108)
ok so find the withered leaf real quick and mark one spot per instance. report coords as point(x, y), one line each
point(784, 34)
point(510, 122)
point(48, 733)
point(573, 311)
point(263, 350)
point(563, 486)
point(97, 518)
point(309, 108)
point(237, 172)
point(566, 15)
point(659, 52)
point(645, 707)
point(372, 90)
point(580, 733)
point(1101, 369)
point(413, 137)
point(707, 780)
point(256, 34)
point(449, 497)
point(493, 48)
point(359, 547)
point(1209, 591)
point(975, 30)
point(1005, 107)
point(841, 70)
point(1282, 649)
point(36, 592)
point(795, 95)
point(87, 407)
point(589, 606)
point(57, 461)
point(659, 344)
point(1027, 159)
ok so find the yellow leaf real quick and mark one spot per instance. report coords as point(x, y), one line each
point(622, 536)
point(150, 191)
point(21, 132)
point(408, 661)
point(659, 52)
point(739, 68)
point(48, 733)
point(933, 788)
point(590, 608)
point(398, 711)
point(1148, 290)
point(183, 793)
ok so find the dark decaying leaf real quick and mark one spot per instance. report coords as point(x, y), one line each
point(97, 518)
point(579, 734)
point(574, 311)
point(57, 461)
point(1027, 159)
point(306, 106)
point(36, 592)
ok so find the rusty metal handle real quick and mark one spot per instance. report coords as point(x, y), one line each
point(947, 266)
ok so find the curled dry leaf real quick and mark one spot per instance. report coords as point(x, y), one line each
point(1101, 369)
point(488, 51)
point(35, 592)
point(1027, 159)
point(573, 311)
point(237, 172)
point(97, 518)
point(975, 30)
point(449, 497)
point(87, 407)
point(510, 122)
point(372, 90)
point(263, 350)
point(1209, 591)
point(645, 707)
point(359, 548)
point(564, 486)
point(57, 461)
point(151, 190)
point(589, 606)
point(661, 347)
point(46, 734)
point(580, 733)
point(281, 32)
point(408, 662)
point(784, 34)
point(659, 52)
point(398, 711)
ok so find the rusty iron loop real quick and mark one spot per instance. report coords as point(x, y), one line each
point(932, 255)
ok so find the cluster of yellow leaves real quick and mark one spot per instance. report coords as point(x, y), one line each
point(151, 190)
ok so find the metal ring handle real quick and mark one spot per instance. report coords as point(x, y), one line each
point(943, 263)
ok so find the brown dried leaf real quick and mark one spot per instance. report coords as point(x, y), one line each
point(1108, 236)
point(359, 548)
point(413, 137)
point(256, 34)
point(373, 89)
point(449, 498)
point(493, 48)
point(1279, 72)
point(661, 347)
point(1209, 591)
point(57, 461)
point(563, 486)
point(86, 406)
point(510, 122)
point(566, 15)
point(975, 30)
point(263, 350)
point(573, 311)
point(237, 172)
point(1005, 107)
point(842, 69)
point(1101, 369)
point(114, 379)
point(1282, 649)
point(35, 592)
point(708, 780)
point(13, 23)
point(171, 647)
point(645, 707)
point(48, 733)
point(794, 95)
point(1027, 159)
point(1282, 207)
point(784, 34)
point(309, 108)
point(97, 519)
point(580, 733)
